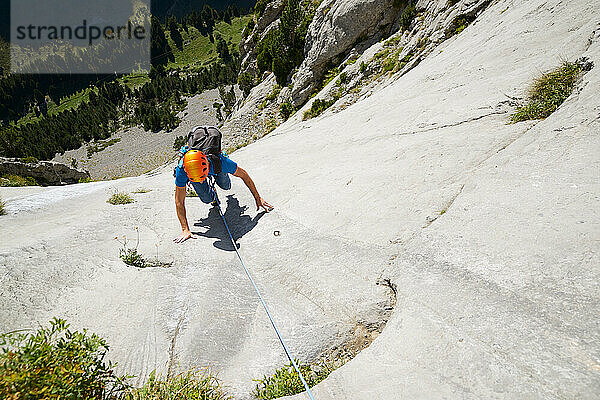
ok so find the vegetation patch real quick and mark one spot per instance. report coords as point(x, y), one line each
point(191, 385)
point(270, 125)
point(132, 257)
point(141, 190)
point(318, 107)
point(56, 363)
point(17, 181)
point(459, 24)
point(29, 160)
point(407, 16)
point(286, 110)
point(286, 381)
point(118, 198)
point(550, 90)
point(282, 49)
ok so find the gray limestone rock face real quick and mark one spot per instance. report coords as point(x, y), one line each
point(338, 25)
point(44, 172)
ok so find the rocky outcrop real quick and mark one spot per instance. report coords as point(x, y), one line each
point(254, 116)
point(267, 21)
point(336, 28)
point(44, 172)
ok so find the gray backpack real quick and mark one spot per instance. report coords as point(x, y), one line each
point(207, 139)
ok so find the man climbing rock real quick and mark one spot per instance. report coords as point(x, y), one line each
point(200, 158)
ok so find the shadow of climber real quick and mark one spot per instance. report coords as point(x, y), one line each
point(239, 224)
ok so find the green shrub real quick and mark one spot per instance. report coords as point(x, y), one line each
point(329, 75)
point(180, 141)
point(459, 24)
point(120, 198)
point(286, 110)
point(548, 92)
point(85, 180)
point(191, 385)
point(29, 160)
point(56, 363)
point(286, 381)
point(17, 181)
point(318, 107)
point(407, 17)
point(248, 28)
point(2, 210)
point(245, 82)
point(363, 67)
point(274, 93)
point(259, 9)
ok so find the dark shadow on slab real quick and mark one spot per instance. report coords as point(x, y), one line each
point(238, 221)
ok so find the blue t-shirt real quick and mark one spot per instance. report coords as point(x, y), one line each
point(227, 165)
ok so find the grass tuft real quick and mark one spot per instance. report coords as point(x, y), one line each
point(286, 381)
point(133, 258)
point(120, 198)
point(549, 91)
point(142, 190)
point(192, 385)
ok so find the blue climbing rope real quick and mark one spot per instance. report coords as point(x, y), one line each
point(287, 351)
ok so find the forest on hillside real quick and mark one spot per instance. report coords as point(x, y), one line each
point(194, 47)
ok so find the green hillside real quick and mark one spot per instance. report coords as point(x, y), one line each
point(198, 50)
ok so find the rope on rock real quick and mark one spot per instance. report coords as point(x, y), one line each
point(287, 351)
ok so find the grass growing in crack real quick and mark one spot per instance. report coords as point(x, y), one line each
point(192, 385)
point(285, 381)
point(318, 107)
point(132, 257)
point(459, 24)
point(118, 198)
point(142, 190)
point(2, 210)
point(549, 91)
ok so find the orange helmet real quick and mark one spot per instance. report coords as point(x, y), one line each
point(195, 165)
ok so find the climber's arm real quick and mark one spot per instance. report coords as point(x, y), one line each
point(186, 234)
point(260, 202)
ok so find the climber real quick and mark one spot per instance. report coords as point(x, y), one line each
point(195, 166)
